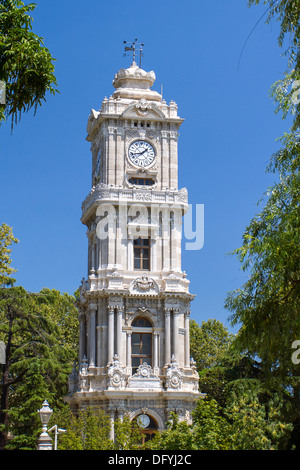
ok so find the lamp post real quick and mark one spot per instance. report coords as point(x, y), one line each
point(57, 431)
point(45, 441)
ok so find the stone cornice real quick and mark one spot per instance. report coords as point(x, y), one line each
point(112, 195)
point(94, 124)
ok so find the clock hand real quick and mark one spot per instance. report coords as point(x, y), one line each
point(140, 153)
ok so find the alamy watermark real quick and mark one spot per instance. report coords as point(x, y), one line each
point(296, 353)
point(2, 352)
point(2, 92)
point(160, 221)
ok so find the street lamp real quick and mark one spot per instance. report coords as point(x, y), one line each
point(45, 441)
point(45, 413)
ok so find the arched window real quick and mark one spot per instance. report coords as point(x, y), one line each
point(141, 343)
point(141, 322)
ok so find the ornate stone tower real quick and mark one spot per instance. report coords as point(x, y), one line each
point(134, 307)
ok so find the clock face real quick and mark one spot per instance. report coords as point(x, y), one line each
point(141, 153)
point(143, 421)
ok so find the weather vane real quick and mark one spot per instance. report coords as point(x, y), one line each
point(131, 47)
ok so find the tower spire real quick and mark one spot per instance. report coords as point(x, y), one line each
point(132, 47)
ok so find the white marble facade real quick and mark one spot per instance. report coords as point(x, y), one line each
point(134, 306)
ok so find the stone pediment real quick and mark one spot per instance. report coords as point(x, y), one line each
point(143, 109)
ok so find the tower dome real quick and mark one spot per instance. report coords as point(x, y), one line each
point(135, 83)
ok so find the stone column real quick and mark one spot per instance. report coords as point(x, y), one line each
point(99, 345)
point(120, 311)
point(154, 233)
point(176, 334)
point(155, 352)
point(130, 253)
point(119, 156)
point(129, 350)
point(165, 239)
point(121, 412)
point(92, 334)
point(111, 241)
point(110, 349)
point(111, 155)
point(99, 260)
point(93, 254)
point(165, 159)
point(121, 254)
point(153, 255)
point(177, 238)
point(82, 336)
point(173, 184)
point(187, 338)
point(167, 335)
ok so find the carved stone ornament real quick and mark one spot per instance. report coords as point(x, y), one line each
point(144, 378)
point(83, 376)
point(116, 375)
point(173, 376)
point(144, 285)
point(142, 107)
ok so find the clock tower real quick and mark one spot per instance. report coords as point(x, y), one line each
point(134, 306)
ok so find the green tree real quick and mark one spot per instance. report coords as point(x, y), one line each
point(267, 305)
point(88, 429)
point(25, 399)
point(26, 66)
point(210, 430)
point(217, 363)
point(255, 425)
point(178, 436)
point(6, 240)
point(62, 311)
point(209, 342)
point(34, 348)
point(127, 435)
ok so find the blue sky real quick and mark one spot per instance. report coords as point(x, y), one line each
point(225, 143)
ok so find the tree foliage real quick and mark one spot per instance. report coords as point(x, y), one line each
point(6, 240)
point(38, 350)
point(26, 65)
point(90, 429)
point(267, 305)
